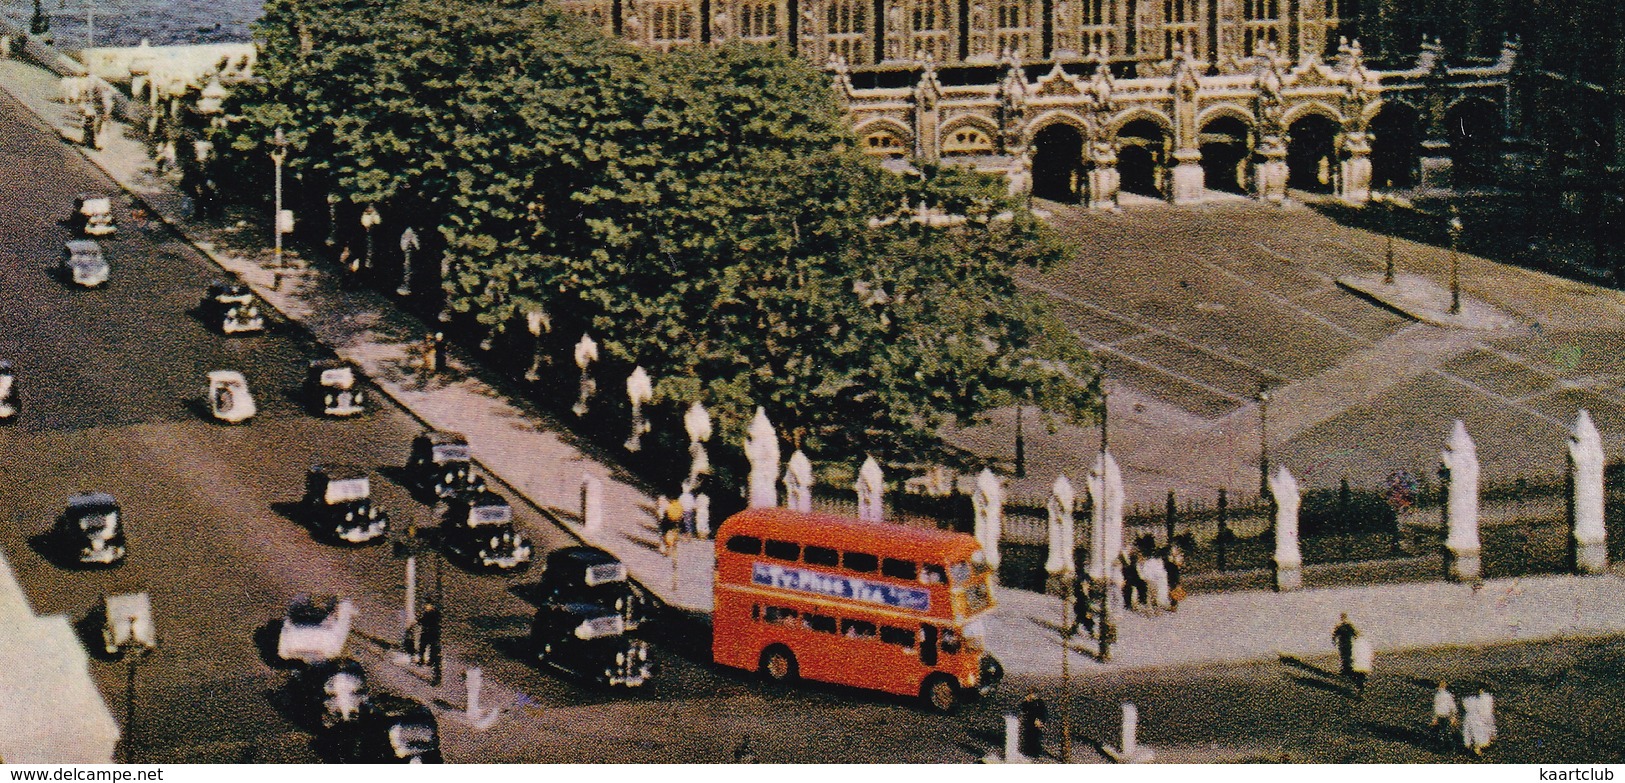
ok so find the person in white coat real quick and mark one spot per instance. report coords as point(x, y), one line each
point(1361, 663)
point(1155, 574)
point(1445, 720)
point(1478, 722)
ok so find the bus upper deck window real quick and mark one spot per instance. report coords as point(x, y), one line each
point(821, 556)
point(899, 569)
point(745, 545)
point(782, 550)
point(860, 562)
point(932, 574)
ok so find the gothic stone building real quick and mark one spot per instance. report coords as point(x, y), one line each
point(1079, 100)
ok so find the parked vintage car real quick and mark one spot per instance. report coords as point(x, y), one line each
point(230, 308)
point(333, 693)
point(127, 623)
point(92, 215)
point(478, 528)
point(83, 263)
point(398, 730)
point(440, 465)
point(589, 575)
point(229, 400)
point(338, 502)
point(333, 388)
point(10, 401)
point(314, 629)
point(590, 642)
point(91, 530)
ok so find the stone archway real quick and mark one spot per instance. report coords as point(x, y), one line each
point(1311, 154)
point(1226, 144)
point(1474, 126)
point(1396, 146)
point(1142, 158)
point(1058, 163)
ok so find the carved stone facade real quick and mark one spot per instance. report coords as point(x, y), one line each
point(1076, 100)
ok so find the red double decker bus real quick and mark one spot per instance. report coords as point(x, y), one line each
point(878, 606)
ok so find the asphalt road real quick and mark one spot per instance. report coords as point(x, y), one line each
point(113, 381)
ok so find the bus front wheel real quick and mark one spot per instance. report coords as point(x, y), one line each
point(778, 664)
point(940, 694)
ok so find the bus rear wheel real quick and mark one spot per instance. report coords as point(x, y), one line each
point(778, 664)
point(940, 694)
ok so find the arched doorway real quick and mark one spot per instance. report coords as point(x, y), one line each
point(1311, 154)
point(1142, 157)
point(1474, 126)
point(1226, 144)
point(1058, 163)
point(1396, 146)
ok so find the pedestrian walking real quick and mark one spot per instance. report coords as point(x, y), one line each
point(1362, 659)
point(1478, 722)
point(690, 508)
point(671, 519)
point(1344, 635)
point(428, 636)
point(1083, 598)
point(1175, 565)
point(441, 358)
point(1133, 584)
point(430, 361)
point(1445, 721)
point(1033, 713)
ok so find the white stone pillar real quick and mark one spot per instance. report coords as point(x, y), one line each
point(1589, 530)
point(1012, 738)
point(762, 449)
point(871, 488)
point(1354, 184)
point(474, 679)
point(1062, 543)
point(592, 503)
point(1288, 558)
point(1189, 179)
point(1460, 458)
point(1270, 172)
point(988, 503)
point(798, 481)
point(697, 422)
point(702, 515)
point(1106, 528)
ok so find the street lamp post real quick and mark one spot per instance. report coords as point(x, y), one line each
point(369, 219)
point(1021, 446)
point(279, 153)
point(1263, 441)
point(1455, 228)
point(1388, 201)
point(1105, 632)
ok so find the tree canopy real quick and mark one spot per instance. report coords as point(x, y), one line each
point(704, 214)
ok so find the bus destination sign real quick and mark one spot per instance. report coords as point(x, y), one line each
point(835, 586)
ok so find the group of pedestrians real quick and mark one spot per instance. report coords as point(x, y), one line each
point(1151, 576)
point(1470, 718)
point(688, 514)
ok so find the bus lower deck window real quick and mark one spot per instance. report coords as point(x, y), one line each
point(775, 614)
point(820, 622)
point(901, 637)
point(857, 629)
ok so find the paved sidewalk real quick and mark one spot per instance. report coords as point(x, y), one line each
point(547, 468)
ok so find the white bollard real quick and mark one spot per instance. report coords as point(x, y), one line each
point(1131, 729)
point(702, 515)
point(592, 503)
point(411, 590)
point(1012, 738)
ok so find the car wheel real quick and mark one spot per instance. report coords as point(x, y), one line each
point(940, 694)
point(778, 664)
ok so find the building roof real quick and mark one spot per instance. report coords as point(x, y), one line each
point(50, 709)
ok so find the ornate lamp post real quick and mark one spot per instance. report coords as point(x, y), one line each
point(586, 354)
point(1455, 228)
point(332, 219)
point(638, 391)
point(369, 219)
point(1388, 203)
point(409, 243)
point(279, 153)
point(1021, 446)
point(697, 423)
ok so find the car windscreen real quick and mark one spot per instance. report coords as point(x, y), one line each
point(411, 739)
point(338, 376)
point(490, 515)
point(105, 522)
point(346, 490)
point(450, 452)
point(605, 573)
point(87, 260)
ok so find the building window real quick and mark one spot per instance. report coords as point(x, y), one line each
point(758, 20)
point(887, 145)
point(848, 22)
point(967, 141)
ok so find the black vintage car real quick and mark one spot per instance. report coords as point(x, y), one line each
point(230, 308)
point(589, 575)
point(90, 531)
point(590, 642)
point(398, 730)
point(333, 388)
point(478, 527)
point(440, 465)
point(332, 694)
point(92, 215)
point(338, 502)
